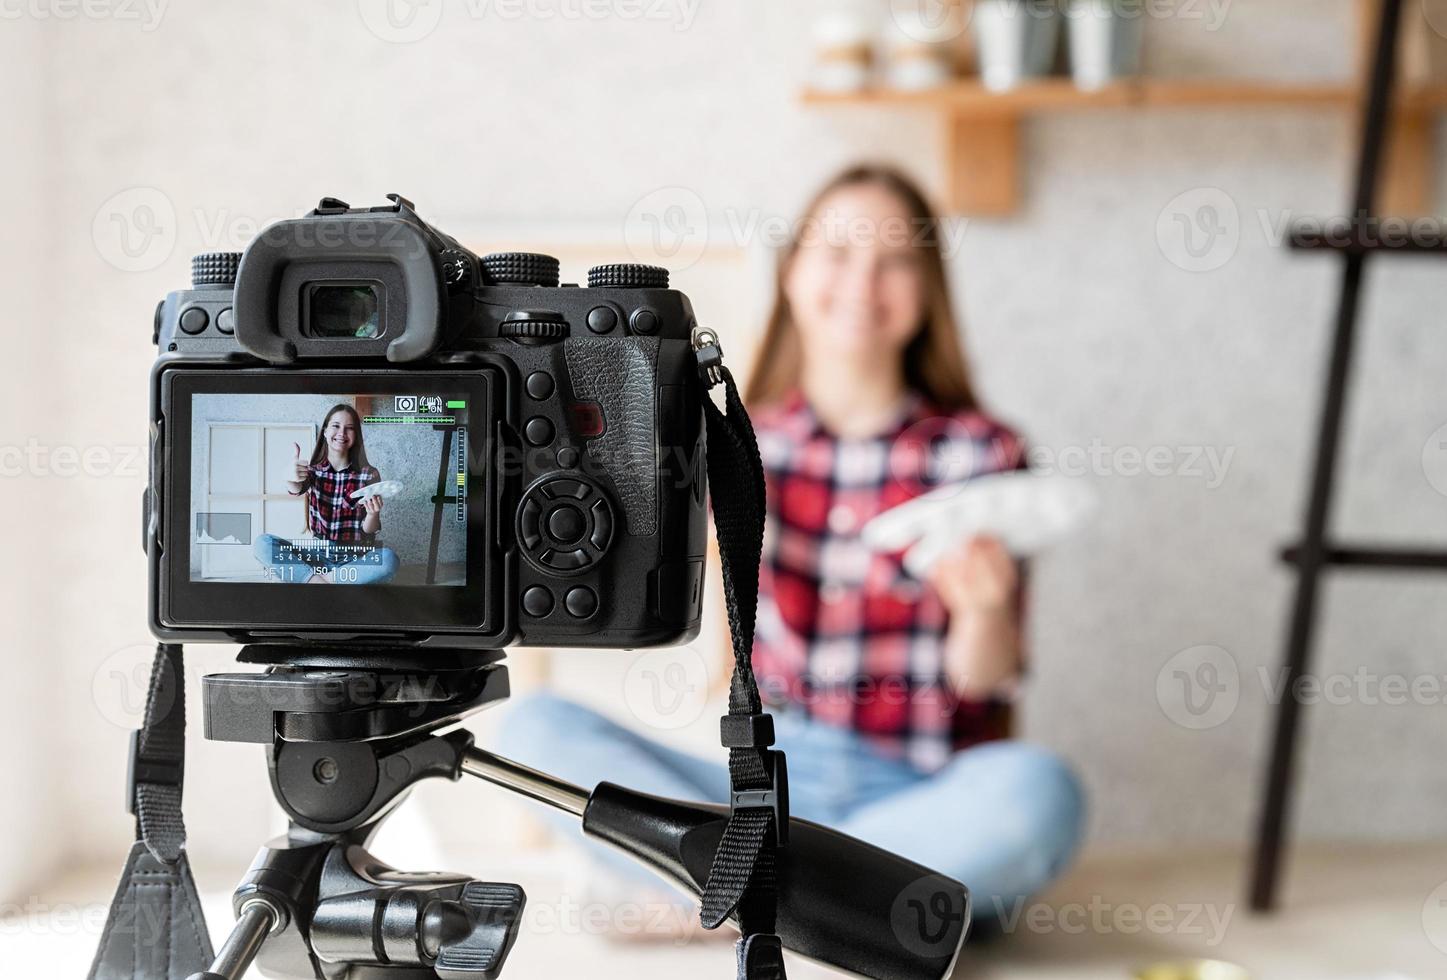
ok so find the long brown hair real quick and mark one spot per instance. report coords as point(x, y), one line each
point(358, 458)
point(934, 361)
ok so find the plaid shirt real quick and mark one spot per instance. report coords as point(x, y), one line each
point(331, 513)
point(844, 633)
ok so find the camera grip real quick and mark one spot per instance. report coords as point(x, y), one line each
point(841, 901)
point(620, 376)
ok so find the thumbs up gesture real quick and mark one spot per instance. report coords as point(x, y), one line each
point(299, 467)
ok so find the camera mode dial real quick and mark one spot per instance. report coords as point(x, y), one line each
point(520, 268)
point(215, 268)
point(627, 275)
point(565, 525)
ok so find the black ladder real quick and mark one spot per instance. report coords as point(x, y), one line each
point(1316, 552)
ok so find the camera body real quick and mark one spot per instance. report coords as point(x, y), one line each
point(496, 458)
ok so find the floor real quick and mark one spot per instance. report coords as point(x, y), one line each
point(1352, 914)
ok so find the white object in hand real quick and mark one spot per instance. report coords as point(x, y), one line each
point(1025, 511)
point(386, 489)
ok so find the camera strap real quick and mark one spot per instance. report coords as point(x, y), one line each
point(155, 929)
point(742, 879)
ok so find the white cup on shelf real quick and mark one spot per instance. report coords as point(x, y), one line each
point(1105, 41)
point(1016, 40)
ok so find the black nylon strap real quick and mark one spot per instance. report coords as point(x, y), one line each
point(160, 755)
point(155, 929)
point(742, 878)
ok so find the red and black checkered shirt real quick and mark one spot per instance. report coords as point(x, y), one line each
point(331, 512)
point(845, 633)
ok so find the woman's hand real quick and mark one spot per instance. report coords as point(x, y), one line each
point(977, 584)
point(980, 577)
point(372, 507)
point(300, 471)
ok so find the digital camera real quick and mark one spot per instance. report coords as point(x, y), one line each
point(363, 432)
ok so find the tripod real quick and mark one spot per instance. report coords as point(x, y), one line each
point(349, 734)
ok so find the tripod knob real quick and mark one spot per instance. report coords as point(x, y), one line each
point(473, 935)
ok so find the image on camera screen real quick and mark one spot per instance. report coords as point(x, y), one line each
point(327, 489)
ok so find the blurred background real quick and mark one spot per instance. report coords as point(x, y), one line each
point(1118, 218)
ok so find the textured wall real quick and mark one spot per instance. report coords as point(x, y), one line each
point(32, 671)
point(1083, 328)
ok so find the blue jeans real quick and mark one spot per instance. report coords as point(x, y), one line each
point(1005, 817)
point(380, 566)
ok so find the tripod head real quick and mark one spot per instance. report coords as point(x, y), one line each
point(349, 734)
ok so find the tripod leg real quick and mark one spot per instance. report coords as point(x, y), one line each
point(258, 918)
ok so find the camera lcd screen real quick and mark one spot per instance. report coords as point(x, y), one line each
point(369, 486)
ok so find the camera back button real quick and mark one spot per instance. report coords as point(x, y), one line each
point(194, 319)
point(537, 601)
point(581, 602)
point(539, 431)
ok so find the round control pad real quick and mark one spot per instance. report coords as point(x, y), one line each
point(565, 525)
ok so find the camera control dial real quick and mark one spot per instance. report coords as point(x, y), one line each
point(520, 268)
point(565, 525)
point(627, 275)
point(215, 268)
point(534, 325)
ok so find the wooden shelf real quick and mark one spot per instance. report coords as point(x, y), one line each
point(982, 136)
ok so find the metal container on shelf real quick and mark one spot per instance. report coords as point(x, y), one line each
point(1105, 41)
point(1016, 40)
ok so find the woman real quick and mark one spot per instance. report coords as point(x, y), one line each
point(891, 696)
point(348, 528)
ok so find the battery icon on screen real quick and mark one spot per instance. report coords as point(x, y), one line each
point(457, 404)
